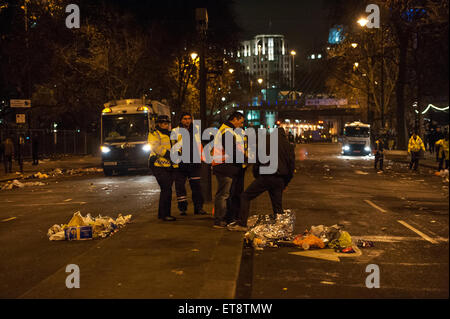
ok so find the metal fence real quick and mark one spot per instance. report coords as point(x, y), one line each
point(52, 143)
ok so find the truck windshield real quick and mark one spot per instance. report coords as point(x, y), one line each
point(356, 131)
point(125, 128)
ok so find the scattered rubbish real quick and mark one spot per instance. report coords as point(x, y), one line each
point(364, 243)
point(40, 175)
point(348, 250)
point(432, 221)
point(82, 228)
point(344, 241)
point(328, 282)
point(361, 173)
point(195, 250)
point(178, 272)
point(16, 184)
point(264, 229)
point(309, 241)
point(383, 228)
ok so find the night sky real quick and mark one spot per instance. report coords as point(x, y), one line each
point(303, 22)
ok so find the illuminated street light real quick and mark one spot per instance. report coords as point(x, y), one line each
point(231, 71)
point(356, 64)
point(293, 52)
point(354, 45)
point(260, 80)
point(363, 22)
point(194, 55)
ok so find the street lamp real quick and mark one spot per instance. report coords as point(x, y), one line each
point(194, 56)
point(363, 22)
point(260, 80)
point(354, 45)
point(231, 71)
point(293, 53)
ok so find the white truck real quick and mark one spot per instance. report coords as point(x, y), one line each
point(356, 140)
point(125, 125)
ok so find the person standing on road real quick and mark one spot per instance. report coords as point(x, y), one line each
point(443, 152)
point(8, 154)
point(190, 170)
point(35, 148)
point(20, 151)
point(437, 136)
point(379, 152)
point(162, 165)
point(414, 146)
point(225, 167)
point(275, 183)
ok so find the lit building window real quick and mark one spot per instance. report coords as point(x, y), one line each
point(270, 44)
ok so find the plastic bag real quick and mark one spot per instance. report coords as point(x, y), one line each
point(344, 241)
point(58, 236)
point(77, 220)
point(308, 241)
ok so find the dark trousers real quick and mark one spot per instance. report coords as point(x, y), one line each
point(193, 175)
point(221, 198)
point(414, 160)
point(442, 160)
point(271, 183)
point(234, 201)
point(164, 177)
point(35, 158)
point(7, 161)
point(379, 158)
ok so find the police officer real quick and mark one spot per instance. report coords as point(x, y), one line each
point(414, 146)
point(379, 152)
point(226, 167)
point(443, 152)
point(162, 166)
point(191, 170)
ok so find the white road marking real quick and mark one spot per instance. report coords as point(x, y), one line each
point(8, 219)
point(49, 204)
point(394, 239)
point(424, 236)
point(375, 206)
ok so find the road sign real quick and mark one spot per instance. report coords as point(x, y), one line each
point(20, 119)
point(20, 103)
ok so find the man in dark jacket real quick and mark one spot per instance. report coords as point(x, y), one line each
point(275, 183)
point(190, 170)
point(379, 152)
point(225, 165)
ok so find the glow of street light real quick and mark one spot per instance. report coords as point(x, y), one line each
point(356, 64)
point(363, 22)
point(260, 81)
point(194, 56)
point(231, 71)
point(354, 45)
point(293, 52)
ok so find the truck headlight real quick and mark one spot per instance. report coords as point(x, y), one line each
point(367, 149)
point(346, 148)
point(105, 149)
point(146, 148)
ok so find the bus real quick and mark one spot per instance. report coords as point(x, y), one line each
point(356, 139)
point(125, 125)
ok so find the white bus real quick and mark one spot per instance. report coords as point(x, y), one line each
point(125, 125)
point(356, 139)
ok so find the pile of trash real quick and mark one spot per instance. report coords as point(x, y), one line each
point(16, 184)
point(266, 231)
point(444, 174)
point(84, 170)
point(84, 228)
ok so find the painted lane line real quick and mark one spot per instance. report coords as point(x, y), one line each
point(426, 237)
point(49, 204)
point(395, 239)
point(375, 206)
point(8, 219)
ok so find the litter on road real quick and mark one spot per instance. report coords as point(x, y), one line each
point(84, 228)
point(16, 184)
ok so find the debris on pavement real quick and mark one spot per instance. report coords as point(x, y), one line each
point(265, 230)
point(364, 243)
point(82, 228)
point(16, 184)
point(361, 173)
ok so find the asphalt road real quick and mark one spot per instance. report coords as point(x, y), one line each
point(152, 259)
point(332, 189)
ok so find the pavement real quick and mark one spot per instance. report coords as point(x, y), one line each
point(188, 259)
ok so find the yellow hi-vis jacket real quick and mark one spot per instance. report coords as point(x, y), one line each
point(415, 145)
point(218, 152)
point(443, 149)
point(160, 144)
point(196, 141)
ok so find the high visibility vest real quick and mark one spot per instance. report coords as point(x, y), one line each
point(415, 145)
point(218, 153)
point(443, 149)
point(160, 144)
point(197, 142)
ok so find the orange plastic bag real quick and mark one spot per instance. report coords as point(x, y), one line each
point(308, 242)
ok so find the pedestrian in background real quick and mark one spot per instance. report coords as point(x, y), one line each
point(20, 152)
point(8, 154)
point(415, 145)
point(225, 167)
point(379, 152)
point(189, 171)
point(35, 148)
point(162, 165)
point(437, 136)
point(274, 183)
point(443, 152)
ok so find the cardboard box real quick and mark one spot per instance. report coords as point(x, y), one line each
point(78, 233)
